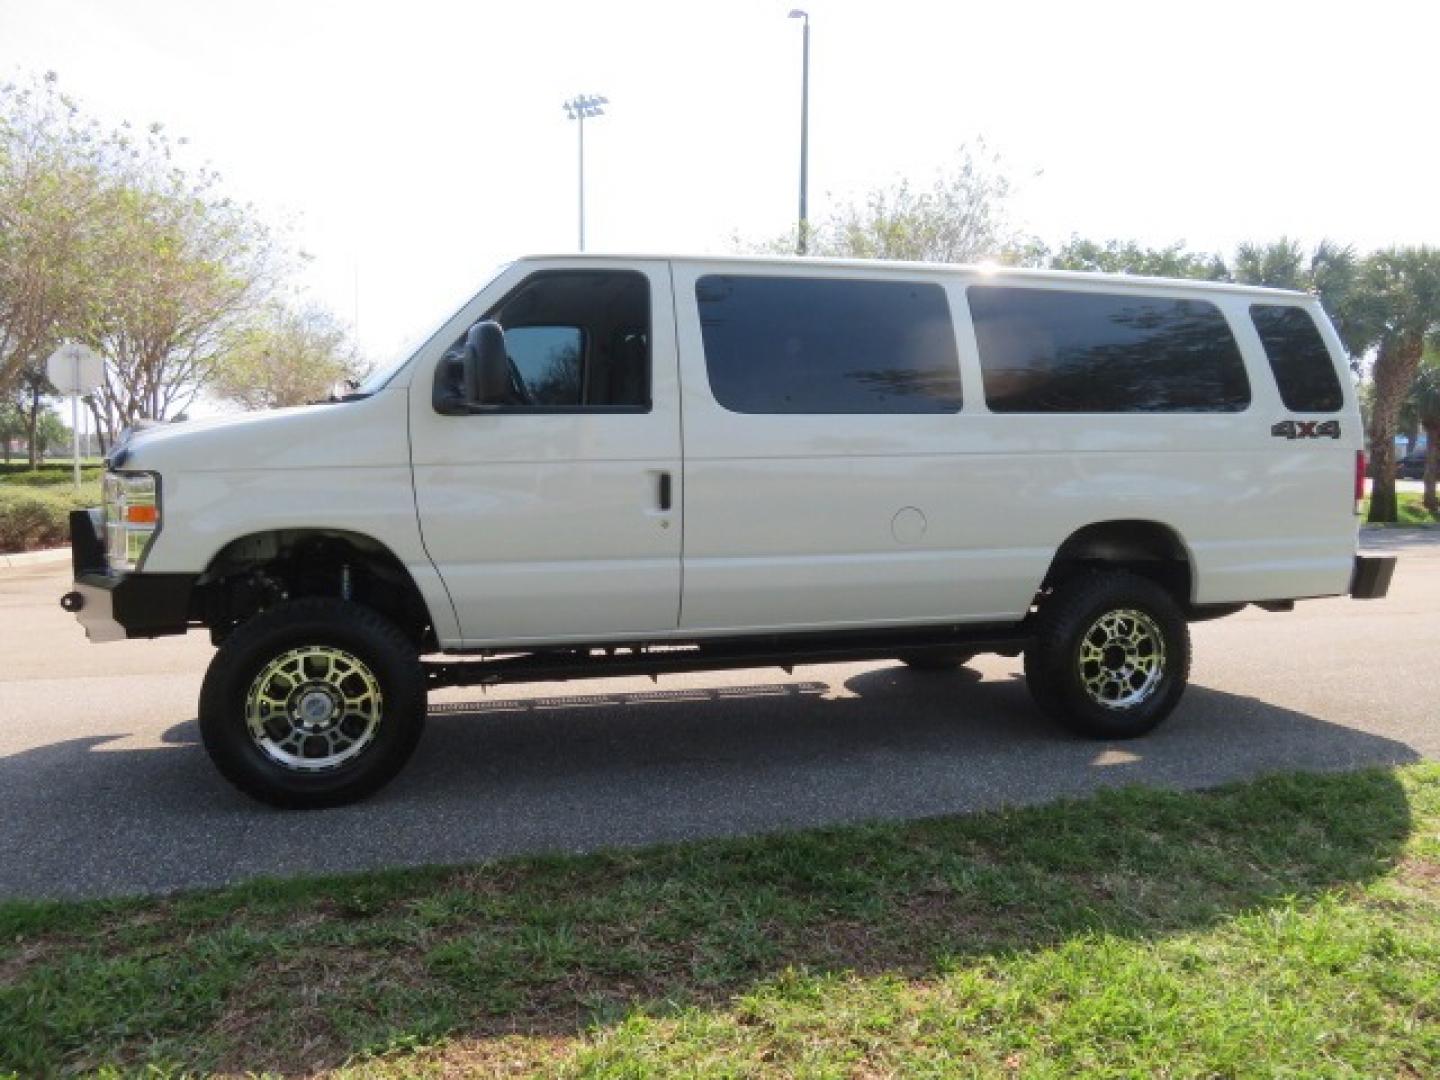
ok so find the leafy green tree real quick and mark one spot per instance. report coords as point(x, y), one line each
point(186, 270)
point(107, 238)
point(12, 426)
point(1128, 257)
point(285, 356)
point(52, 168)
point(962, 216)
point(31, 393)
point(52, 435)
point(1396, 310)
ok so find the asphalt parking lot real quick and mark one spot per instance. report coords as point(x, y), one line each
point(105, 790)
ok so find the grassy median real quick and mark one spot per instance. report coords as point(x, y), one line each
point(1291, 925)
point(1409, 507)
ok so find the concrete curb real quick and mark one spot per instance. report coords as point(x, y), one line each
point(35, 558)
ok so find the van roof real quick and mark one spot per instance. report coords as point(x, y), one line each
point(982, 270)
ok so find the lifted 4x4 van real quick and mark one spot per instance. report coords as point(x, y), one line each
point(612, 466)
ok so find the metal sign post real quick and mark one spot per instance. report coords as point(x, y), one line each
point(75, 369)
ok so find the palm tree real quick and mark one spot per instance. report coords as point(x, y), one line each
point(1332, 271)
point(1425, 399)
point(1395, 310)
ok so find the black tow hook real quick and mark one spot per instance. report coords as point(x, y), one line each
point(72, 602)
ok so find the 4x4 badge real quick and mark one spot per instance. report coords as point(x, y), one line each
point(1306, 429)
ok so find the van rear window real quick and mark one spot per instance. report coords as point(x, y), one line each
point(1060, 351)
point(828, 345)
point(1303, 369)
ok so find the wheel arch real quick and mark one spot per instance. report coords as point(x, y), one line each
point(252, 572)
point(1150, 548)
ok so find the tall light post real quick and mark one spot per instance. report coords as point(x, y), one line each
point(582, 107)
point(802, 238)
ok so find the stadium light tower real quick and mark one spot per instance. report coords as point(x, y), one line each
point(583, 107)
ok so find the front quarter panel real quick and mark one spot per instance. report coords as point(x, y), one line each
point(343, 466)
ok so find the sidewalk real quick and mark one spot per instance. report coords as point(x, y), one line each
point(34, 558)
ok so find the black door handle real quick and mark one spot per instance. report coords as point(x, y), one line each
point(664, 491)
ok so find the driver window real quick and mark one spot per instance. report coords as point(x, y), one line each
point(546, 362)
point(577, 339)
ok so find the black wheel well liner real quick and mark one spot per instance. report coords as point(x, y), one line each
point(251, 571)
point(1148, 548)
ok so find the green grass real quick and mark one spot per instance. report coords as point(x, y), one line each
point(1289, 926)
point(1411, 511)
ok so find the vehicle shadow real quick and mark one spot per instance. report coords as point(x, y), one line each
point(623, 769)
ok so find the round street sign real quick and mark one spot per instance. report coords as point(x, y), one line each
point(75, 368)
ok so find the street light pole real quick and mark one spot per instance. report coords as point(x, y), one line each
point(803, 238)
point(579, 108)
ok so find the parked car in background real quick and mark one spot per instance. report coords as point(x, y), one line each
point(1411, 466)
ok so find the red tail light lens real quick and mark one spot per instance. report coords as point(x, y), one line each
point(1359, 479)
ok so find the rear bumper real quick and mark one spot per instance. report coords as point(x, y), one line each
point(1370, 579)
point(113, 607)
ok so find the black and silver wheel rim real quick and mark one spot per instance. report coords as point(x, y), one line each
point(1122, 659)
point(314, 708)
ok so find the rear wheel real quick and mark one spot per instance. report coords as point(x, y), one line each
point(316, 702)
point(1111, 655)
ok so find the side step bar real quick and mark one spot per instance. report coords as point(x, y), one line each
point(783, 651)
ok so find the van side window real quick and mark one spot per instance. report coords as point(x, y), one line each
point(1303, 369)
point(577, 339)
point(828, 345)
point(1060, 351)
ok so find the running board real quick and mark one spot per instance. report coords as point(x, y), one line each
point(782, 651)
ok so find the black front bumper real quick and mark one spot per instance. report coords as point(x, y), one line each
point(1370, 580)
point(113, 607)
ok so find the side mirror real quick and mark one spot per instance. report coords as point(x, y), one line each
point(487, 365)
point(479, 376)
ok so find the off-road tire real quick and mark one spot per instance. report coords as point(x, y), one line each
point(1053, 665)
point(349, 629)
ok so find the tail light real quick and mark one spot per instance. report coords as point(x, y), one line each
point(1359, 479)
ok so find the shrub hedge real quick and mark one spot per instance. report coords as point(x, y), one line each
point(33, 517)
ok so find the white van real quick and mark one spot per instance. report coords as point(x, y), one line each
point(612, 465)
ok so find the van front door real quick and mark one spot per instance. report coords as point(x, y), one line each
point(556, 517)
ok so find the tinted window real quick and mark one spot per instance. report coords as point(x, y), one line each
point(1049, 350)
point(577, 339)
point(816, 345)
point(547, 361)
point(1303, 369)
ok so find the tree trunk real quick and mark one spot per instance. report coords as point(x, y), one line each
point(1432, 466)
point(32, 422)
point(1395, 368)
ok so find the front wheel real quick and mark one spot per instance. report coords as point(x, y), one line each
point(316, 702)
point(1110, 657)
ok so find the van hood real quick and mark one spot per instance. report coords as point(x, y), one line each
point(368, 431)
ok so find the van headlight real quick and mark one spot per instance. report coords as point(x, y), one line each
point(132, 517)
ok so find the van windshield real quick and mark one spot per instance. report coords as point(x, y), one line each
point(378, 379)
